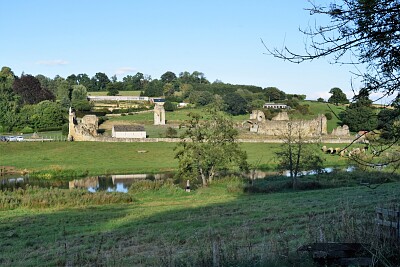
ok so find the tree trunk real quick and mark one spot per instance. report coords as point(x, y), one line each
point(203, 177)
point(211, 174)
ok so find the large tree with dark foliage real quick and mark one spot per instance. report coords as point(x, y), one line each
point(235, 104)
point(30, 90)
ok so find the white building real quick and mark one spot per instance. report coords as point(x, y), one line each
point(275, 106)
point(128, 131)
point(117, 98)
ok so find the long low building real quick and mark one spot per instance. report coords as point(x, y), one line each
point(118, 98)
point(128, 131)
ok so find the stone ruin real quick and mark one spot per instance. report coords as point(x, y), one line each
point(341, 131)
point(79, 129)
point(279, 125)
point(159, 112)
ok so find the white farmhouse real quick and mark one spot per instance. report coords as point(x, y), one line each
point(128, 131)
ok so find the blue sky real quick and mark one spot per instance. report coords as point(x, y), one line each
point(220, 38)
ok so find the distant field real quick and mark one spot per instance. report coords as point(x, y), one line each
point(121, 93)
point(102, 158)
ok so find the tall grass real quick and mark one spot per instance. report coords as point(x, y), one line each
point(34, 198)
point(166, 226)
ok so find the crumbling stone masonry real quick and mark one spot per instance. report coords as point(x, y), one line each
point(81, 129)
point(279, 125)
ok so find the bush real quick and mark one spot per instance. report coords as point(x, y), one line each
point(27, 130)
point(169, 106)
point(65, 129)
point(171, 132)
point(328, 116)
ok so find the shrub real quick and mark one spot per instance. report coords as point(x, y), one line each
point(65, 129)
point(27, 130)
point(328, 116)
point(169, 106)
point(171, 132)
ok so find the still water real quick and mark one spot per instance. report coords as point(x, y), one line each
point(115, 183)
point(110, 183)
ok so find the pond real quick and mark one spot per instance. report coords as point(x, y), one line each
point(116, 183)
point(109, 183)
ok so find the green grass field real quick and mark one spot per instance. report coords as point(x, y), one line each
point(169, 227)
point(114, 158)
point(180, 115)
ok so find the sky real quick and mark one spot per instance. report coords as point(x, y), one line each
point(220, 38)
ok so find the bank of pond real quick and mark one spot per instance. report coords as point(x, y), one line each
point(254, 181)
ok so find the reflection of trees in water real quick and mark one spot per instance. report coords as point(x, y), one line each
point(93, 183)
point(105, 183)
point(12, 183)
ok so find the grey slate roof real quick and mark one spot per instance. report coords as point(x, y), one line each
point(129, 128)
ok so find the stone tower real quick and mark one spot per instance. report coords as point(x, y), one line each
point(159, 112)
point(71, 124)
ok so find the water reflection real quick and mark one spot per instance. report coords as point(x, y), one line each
point(110, 183)
point(114, 183)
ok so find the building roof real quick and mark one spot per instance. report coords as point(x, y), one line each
point(128, 128)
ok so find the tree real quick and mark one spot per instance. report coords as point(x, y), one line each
point(132, 83)
point(168, 77)
point(235, 104)
point(64, 93)
point(79, 92)
point(320, 99)
point(83, 79)
point(208, 146)
point(337, 97)
point(200, 98)
point(295, 155)
point(30, 90)
point(154, 88)
point(360, 114)
point(100, 81)
point(9, 101)
point(368, 30)
point(388, 123)
point(113, 88)
point(79, 98)
point(273, 94)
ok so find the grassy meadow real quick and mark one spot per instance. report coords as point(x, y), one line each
point(180, 115)
point(157, 223)
point(169, 227)
point(115, 158)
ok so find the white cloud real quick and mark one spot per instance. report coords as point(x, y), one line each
point(124, 70)
point(57, 62)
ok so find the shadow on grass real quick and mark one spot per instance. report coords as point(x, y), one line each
point(213, 226)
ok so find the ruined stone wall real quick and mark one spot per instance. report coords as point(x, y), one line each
point(279, 125)
point(315, 127)
point(341, 131)
point(79, 129)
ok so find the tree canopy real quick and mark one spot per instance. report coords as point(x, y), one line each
point(337, 97)
point(208, 146)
